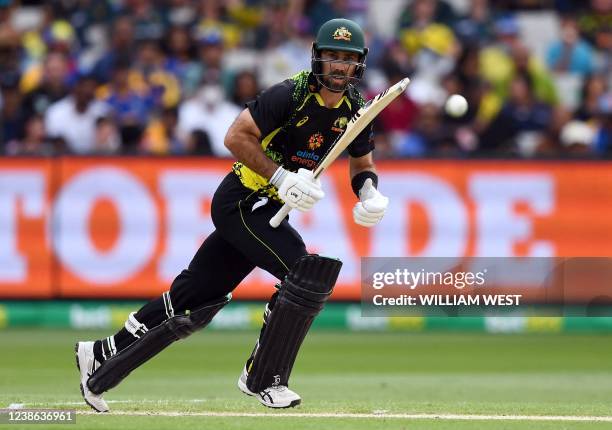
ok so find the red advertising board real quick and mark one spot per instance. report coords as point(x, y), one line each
point(124, 227)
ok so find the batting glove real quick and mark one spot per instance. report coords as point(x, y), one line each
point(299, 190)
point(371, 207)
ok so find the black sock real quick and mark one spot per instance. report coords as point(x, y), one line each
point(97, 350)
point(123, 339)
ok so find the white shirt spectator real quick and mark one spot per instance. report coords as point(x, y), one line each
point(284, 61)
point(78, 129)
point(210, 112)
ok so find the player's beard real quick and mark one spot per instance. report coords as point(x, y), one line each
point(335, 85)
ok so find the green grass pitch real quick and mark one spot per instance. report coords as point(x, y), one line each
point(336, 373)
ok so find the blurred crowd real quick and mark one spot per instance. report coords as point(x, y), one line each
point(169, 76)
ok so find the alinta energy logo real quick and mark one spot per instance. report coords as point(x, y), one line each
point(306, 158)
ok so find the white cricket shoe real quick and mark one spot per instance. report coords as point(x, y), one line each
point(87, 365)
point(277, 396)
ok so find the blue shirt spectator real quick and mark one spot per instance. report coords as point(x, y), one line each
point(571, 53)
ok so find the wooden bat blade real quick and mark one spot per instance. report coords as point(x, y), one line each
point(359, 122)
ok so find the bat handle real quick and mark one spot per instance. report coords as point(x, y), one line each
point(280, 215)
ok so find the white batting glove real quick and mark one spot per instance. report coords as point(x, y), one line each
point(372, 206)
point(299, 190)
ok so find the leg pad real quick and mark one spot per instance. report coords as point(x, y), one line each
point(150, 343)
point(301, 297)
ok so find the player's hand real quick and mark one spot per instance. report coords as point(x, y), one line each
point(299, 190)
point(371, 207)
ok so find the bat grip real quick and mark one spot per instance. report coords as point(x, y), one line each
point(280, 215)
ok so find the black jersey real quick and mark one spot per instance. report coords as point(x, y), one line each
point(297, 128)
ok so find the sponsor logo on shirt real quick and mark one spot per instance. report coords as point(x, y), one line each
point(302, 121)
point(315, 141)
point(307, 159)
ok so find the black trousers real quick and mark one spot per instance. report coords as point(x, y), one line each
point(243, 240)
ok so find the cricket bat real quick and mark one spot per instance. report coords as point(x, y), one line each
point(357, 123)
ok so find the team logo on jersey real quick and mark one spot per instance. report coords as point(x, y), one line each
point(342, 33)
point(315, 141)
point(302, 121)
point(340, 124)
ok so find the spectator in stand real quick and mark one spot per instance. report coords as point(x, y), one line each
point(476, 28)
point(149, 73)
point(323, 10)
point(273, 28)
point(593, 88)
point(430, 136)
point(56, 35)
point(571, 54)
point(181, 13)
point(12, 114)
point(129, 107)
point(53, 86)
point(431, 44)
point(291, 53)
point(421, 13)
point(198, 143)
point(107, 138)
point(398, 119)
point(521, 122)
point(162, 135)
point(10, 42)
point(214, 17)
point(72, 120)
point(595, 24)
point(246, 88)
point(84, 15)
point(9, 35)
point(181, 59)
point(577, 139)
point(209, 65)
point(122, 46)
point(549, 143)
point(470, 84)
point(504, 60)
point(603, 134)
point(316, 12)
point(211, 113)
point(34, 142)
point(147, 19)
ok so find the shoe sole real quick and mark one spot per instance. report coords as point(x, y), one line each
point(76, 356)
point(293, 404)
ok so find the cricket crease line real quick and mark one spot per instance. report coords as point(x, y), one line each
point(360, 415)
point(382, 414)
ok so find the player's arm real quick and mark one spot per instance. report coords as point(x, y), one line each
point(372, 204)
point(365, 163)
point(299, 190)
point(243, 141)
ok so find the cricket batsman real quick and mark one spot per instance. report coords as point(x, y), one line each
point(277, 139)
